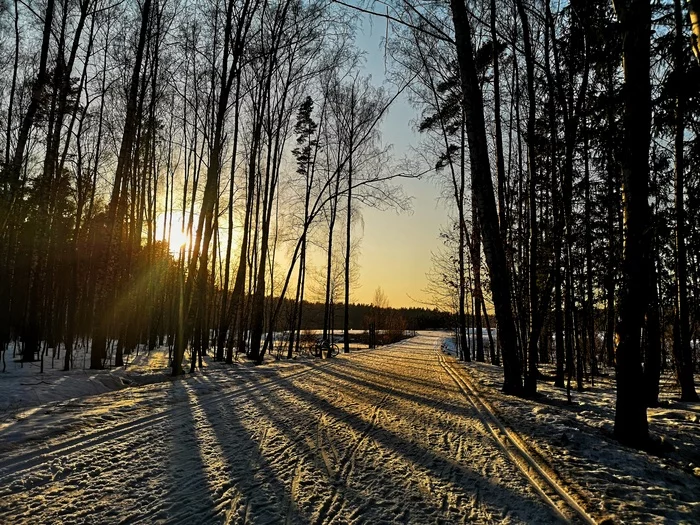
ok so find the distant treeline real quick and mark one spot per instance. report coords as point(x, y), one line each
point(360, 314)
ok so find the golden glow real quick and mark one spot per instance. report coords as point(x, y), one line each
point(178, 240)
point(169, 229)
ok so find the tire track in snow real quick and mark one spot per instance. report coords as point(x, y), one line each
point(407, 439)
point(437, 475)
point(332, 473)
point(347, 462)
point(514, 448)
point(333, 449)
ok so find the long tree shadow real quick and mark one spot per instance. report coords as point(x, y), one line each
point(384, 387)
point(265, 440)
point(677, 478)
point(265, 496)
point(609, 459)
point(283, 411)
point(206, 483)
point(262, 486)
point(437, 465)
point(187, 498)
point(430, 460)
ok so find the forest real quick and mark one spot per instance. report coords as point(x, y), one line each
point(195, 172)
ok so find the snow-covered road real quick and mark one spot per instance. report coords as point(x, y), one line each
point(380, 436)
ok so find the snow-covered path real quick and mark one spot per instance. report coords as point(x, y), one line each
point(381, 436)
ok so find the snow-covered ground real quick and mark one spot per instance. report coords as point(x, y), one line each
point(376, 436)
point(24, 385)
point(577, 441)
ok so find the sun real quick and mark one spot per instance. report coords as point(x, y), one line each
point(178, 239)
point(169, 229)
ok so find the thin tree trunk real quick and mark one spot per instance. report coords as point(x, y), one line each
point(492, 347)
point(556, 211)
point(14, 168)
point(535, 324)
point(225, 318)
point(681, 348)
point(476, 266)
point(500, 167)
point(348, 229)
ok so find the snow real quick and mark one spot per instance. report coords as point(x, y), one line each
point(577, 439)
point(23, 385)
point(375, 436)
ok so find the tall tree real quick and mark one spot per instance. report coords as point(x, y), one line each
point(681, 342)
point(473, 107)
point(631, 425)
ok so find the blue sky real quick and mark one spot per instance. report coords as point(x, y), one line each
point(395, 248)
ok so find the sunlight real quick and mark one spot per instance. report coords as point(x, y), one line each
point(169, 229)
point(178, 239)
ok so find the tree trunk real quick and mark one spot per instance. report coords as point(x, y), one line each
point(225, 314)
point(472, 101)
point(500, 167)
point(631, 426)
point(463, 353)
point(652, 348)
point(13, 170)
point(681, 346)
point(531, 375)
point(492, 347)
point(476, 264)
point(348, 229)
point(556, 210)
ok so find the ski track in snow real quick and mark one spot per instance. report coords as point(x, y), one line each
point(574, 443)
point(381, 436)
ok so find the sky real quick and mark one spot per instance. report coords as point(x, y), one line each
point(396, 247)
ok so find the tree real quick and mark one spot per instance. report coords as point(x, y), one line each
point(681, 342)
point(305, 154)
point(486, 204)
point(631, 426)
